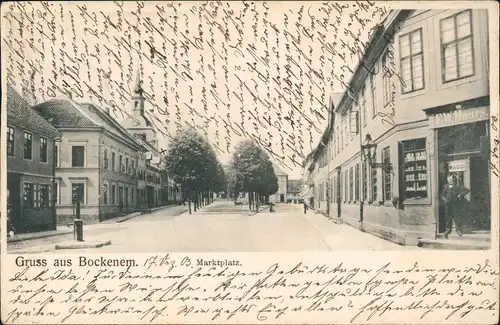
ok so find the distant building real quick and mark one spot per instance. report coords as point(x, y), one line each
point(294, 188)
point(30, 166)
point(151, 186)
point(280, 196)
point(95, 162)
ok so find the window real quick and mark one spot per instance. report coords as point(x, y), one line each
point(386, 84)
point(351, 185)
point(10, 141)
point(120, 164)
point(386, 159)
point(412, 61)
point(78, 192)
point(126, 166)
point(374, 95)
point(132, 192)
point(356, 183)
point(45, 199)
point(374, 179)
point(105, 194)
point(346, 186)
point(457, 53)
point(77, 156)
point(113, 161)
point(105, 158)
point(28, 143)
point(362, 103)
point(364, 175)
point(414, 169)
point(28, 196)
point(133, 167)
point(43, 150)
point(56, 155)
point(126, 196)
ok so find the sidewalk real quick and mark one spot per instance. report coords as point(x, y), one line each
point(64, 230)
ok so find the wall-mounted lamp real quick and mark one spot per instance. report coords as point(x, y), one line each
point(369, 148)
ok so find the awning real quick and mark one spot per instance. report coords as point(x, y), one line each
point(306, 194)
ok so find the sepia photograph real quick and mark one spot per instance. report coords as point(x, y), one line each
point(205, 132)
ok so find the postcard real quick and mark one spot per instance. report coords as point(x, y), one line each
point(250, 162)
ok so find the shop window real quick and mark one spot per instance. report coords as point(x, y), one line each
point(386, 159)
point(28, 145)
point(457, 54)
point(28, 196)
point(414, 169)
point(10, 141)
point(45, 199)
point(78, 156)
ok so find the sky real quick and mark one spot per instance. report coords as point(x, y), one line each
point(232, 70)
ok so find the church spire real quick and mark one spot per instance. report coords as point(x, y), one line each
point(137, 87)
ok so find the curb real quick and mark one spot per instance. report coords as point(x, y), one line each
point(82, 245)
point(62, 232)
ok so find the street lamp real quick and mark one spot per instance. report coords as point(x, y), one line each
point(369, 148)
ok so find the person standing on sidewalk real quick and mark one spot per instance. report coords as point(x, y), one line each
point(454, 199)
point(305, 206)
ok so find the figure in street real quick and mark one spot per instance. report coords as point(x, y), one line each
point(454, 199)
point(305, 206)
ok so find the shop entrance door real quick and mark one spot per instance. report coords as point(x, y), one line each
point(471, 173)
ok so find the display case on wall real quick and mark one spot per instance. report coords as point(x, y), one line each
point(414, 169)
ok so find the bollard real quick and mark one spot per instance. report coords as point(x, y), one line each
point(78, 229)
point(78, 224)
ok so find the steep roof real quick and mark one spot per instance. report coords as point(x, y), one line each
point(63, 114)
point(19, 112)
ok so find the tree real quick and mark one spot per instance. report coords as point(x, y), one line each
point(252, 171)
point(192, 162)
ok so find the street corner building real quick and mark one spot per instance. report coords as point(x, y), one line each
point(30, 169)
point(416, 110)
point(110, 168)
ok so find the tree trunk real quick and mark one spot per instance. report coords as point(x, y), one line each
point(250, 200)
point(195, 200)
point(189, 204)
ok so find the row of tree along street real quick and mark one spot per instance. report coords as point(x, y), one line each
point(193, 164)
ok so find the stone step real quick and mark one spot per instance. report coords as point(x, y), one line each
point(454, 244)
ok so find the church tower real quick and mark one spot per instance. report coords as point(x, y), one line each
point(138, 123)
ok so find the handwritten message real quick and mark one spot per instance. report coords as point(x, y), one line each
point(232, 70)
point(173, 288)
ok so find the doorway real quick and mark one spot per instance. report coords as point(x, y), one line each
point(120, 199)
point(282, 198)
point(462, 153)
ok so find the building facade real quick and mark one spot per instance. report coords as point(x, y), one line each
point(30, 166)
point(281, 194)
point(421, 92)
point(96, 161)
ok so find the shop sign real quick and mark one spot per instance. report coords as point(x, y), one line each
point(461, 116)
point(457, 166)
